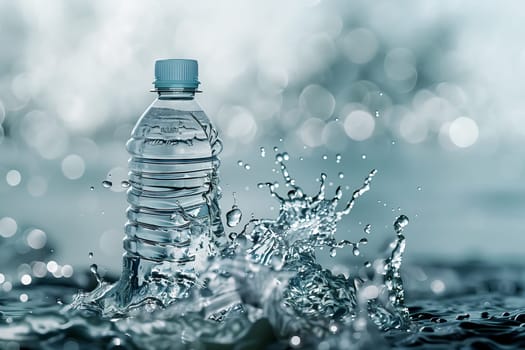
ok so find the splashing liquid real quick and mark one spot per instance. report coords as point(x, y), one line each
point(268, 272)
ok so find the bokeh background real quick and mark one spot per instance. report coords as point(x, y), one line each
point(429, 93)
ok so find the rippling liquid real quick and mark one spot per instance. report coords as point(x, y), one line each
point(266, 287)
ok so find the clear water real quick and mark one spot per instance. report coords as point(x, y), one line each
point(264, 288)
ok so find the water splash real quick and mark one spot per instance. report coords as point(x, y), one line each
point(267, 272)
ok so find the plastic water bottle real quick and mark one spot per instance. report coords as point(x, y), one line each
point(174, 222)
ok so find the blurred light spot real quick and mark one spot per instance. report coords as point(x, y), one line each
point(317, 101)
point(437, 286)
point(359, 125)
point(67, 271)
point(44, 134)
point(360, 45)
point(413, 128)
point(334, 136)
point(26, 280)
point(400, 64)
point(37, 186)
point(13, 177)
point(309, 132)
point(36, 239)
point(2, 278)
point(39, 269)
point(7, 286)
point(73, 167)
point(24, 297)
point(242, 126)
point(295, 341)
point(52, 266)
point(58, 272)
point(463, 132)
point(8, 227)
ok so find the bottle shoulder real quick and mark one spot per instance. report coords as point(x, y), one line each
point(176, 128)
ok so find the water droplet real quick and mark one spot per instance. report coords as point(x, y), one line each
point(377, 114)
point(247, 166)
point(125, 184)
point(325, 157)
point(333, 252)
point(90, 255)
point(94, 270)
point(363, 241)
point(281, 139)
point(338, 158)
point(419, 188)
point(356, 251)
point(279, 158)
point(367, 264)
point(301, 158)
point(368, 229)
point(393, 142)
point(363, 156)
point(107, 183)
point(286, 156)
point(92, 188)
point(275, 149)
point(341, 175)
point(263, 152)
point(234, 216)
point(400, 223)
point(240, 163)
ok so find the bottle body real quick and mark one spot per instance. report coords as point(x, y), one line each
point(174, 222)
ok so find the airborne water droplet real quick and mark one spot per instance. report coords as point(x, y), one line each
point(363, 156)
point(400, 223)
point(338, 158)
point(107, 183)
point(90, 255)
point(92, 188)
point(368, 229)
point(94, 270)
point(356, 251)
point(263, 152)
point(125, 184)
point(240, 163)
point(234, 216)
point(341, 175)
point(325, 157)
point(333, 252)
point(247, 166)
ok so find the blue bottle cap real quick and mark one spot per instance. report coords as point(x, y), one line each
point(176, 73)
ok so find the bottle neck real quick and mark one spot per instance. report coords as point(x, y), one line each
point(176, 94)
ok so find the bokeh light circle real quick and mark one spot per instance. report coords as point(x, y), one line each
point(359, 125)
point(13, 177)
point(73, 167)
point(463, 132)
point(8, 227)
point(360, 45)
point(317, 101)
point(36, 239)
